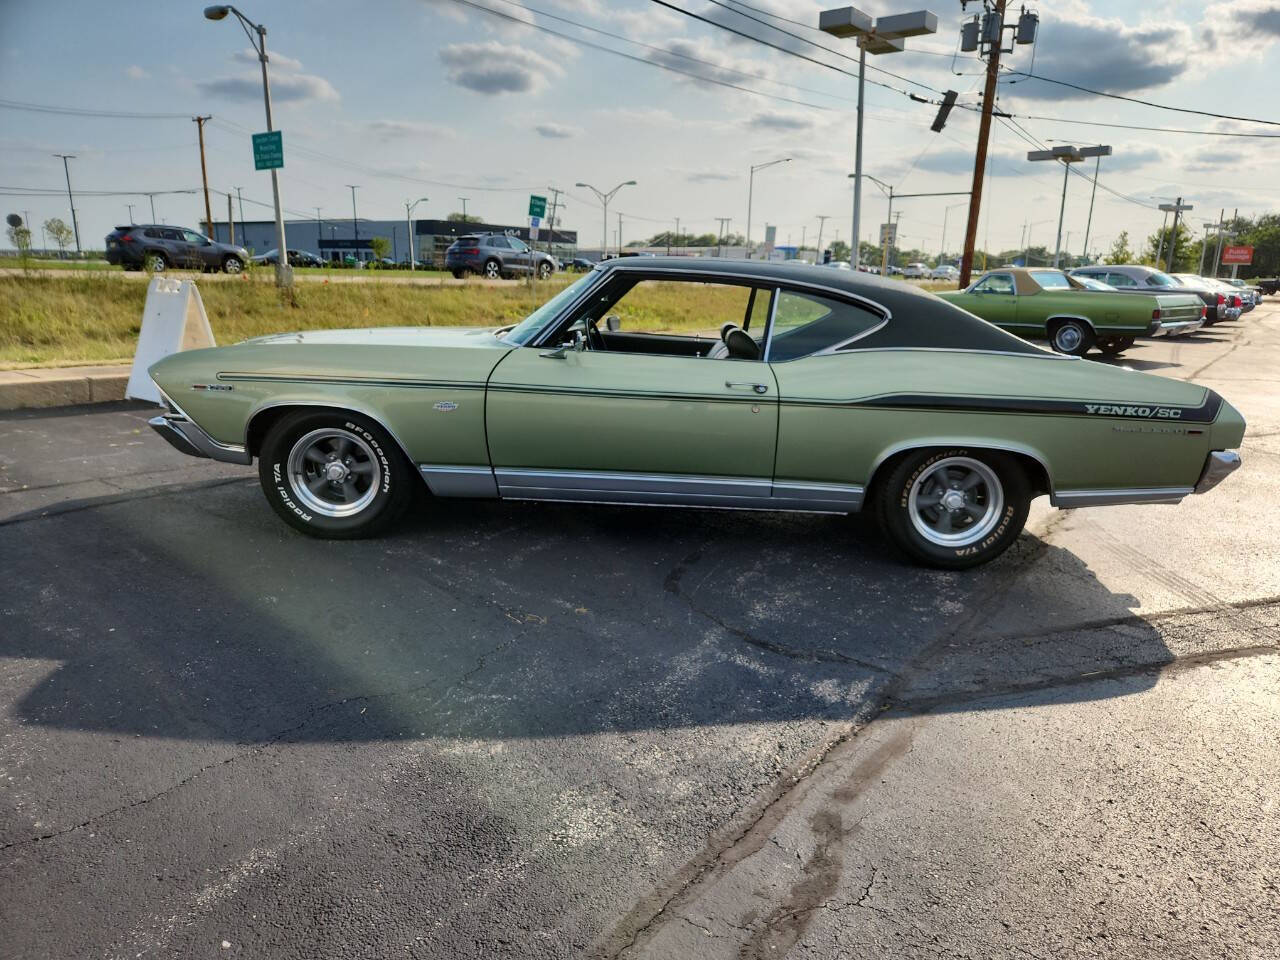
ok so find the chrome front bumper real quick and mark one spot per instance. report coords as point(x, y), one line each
point(1219, 465)
point(185, 437)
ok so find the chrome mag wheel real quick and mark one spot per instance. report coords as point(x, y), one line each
point(334, 472)
point(956, 502)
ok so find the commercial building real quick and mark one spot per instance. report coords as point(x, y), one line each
point(336, 239)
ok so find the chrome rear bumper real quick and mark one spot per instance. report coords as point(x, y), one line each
point(1175, 328)
point(1219, 465)
point(185, 437)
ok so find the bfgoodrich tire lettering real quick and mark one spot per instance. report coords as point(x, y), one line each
point(954, 507)
point(333, 474)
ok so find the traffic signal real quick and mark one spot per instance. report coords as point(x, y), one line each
point(948, 101)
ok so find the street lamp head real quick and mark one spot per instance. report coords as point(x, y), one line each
point(629, 183)
point(216, 12)
point(579, 184)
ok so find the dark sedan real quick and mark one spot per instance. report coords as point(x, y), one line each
point(297, 258)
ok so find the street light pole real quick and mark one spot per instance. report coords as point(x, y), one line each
point(240, 204)
point(751, 184)
point(284, 273)
point(1067, 155)
point(604, 199)
point(70, 199)
point(355, 220)
point(408, 214)
point(873, 35)
point(1088, 224)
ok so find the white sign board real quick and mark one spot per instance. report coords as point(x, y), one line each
point(173, 319)
point(888, 234)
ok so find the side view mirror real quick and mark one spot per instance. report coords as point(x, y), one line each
point(579, 341)
point(577, 345)
point(613, 322)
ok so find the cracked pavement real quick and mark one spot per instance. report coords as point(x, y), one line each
point(554, 731)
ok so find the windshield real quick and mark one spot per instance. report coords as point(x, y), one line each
point(1157, 278)
point(525, 330)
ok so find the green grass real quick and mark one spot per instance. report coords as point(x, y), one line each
point(47, 321)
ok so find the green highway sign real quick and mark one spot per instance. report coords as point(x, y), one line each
point(537, 206)
point(268, 150)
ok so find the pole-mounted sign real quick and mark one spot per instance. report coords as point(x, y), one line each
point(537, 206)
point(268, 150)
point(1237, 255)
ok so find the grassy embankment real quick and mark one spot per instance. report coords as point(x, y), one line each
point(95, 318)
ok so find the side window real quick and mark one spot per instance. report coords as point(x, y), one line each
point(758, 318)
point(1120, 280)
point(500, 243)
point(170, 234)
point(996, 283)
point(804, 324)
point(190, 236)
point(517, 244)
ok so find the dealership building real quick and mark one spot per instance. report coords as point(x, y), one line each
point(336, 239)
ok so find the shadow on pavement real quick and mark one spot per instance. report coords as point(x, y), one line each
point(199, 615)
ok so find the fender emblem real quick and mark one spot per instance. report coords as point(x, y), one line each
point(445, 406)
point(219, 387)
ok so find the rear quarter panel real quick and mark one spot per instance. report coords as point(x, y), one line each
point(841, 416)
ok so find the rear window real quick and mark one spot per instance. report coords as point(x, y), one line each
point(466, 241)
point(1051, 279)
point(804, 324)
point(1157, 279)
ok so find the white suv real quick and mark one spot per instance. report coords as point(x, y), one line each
point(917, 271)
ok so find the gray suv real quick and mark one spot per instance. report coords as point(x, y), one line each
point(157, 247)
point(496, 255)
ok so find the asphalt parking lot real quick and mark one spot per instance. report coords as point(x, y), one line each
point(516, 730)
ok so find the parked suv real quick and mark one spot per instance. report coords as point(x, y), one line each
point(158, 247)
point(495, 255)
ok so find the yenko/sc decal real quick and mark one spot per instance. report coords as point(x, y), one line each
point(1144, 413)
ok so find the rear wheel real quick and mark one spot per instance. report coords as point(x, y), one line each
point(953, 508)
point(492, 270)
point(155, 262)
point(1070, 336)
point(459, 274)
point(334, 474)
point(1114, 345)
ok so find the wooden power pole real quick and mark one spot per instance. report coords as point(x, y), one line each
point(204, 175)
point(980, 160)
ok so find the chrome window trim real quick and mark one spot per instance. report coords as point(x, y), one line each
point(1071, 499)
point(774, 296)
point(1040, 354)
point(886, 316)
point(697, 276)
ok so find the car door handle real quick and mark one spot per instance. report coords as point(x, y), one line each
point(741, 384)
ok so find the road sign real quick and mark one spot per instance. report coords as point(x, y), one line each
point(537, 205)
point(1238, 255)
point(888, 234)
point(534, 224)
point(268, 150)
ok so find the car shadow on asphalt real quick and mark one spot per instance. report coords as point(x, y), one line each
point(197, 615)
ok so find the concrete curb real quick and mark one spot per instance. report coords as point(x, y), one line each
point(63, 386)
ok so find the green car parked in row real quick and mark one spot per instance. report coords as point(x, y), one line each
point(1074, 316)
point(702, 383)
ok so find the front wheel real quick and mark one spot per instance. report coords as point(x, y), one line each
point(1071, 337)
point(1115, 345)
point(544, 270)
point(333, 474)
point(953, 508)
point(232, 265)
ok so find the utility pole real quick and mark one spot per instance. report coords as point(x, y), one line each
point(355, 220)
point(724, 225)
point(204, 174)
point(240, 204)
point(319, 227)
point(619, 234)
point(555, 202)
point(822, 222)
point(1204, 245)
point(1176, 209)
point(152, 198)
point(1217, 257)
point(70, 199)
point(887, 238)
point(464, 208)
point(984, 134)
point(130, 206)
point(231, 223)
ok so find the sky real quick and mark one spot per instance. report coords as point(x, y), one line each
point(443, 99)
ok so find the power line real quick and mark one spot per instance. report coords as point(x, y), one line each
point(78, 112)
point(1131, 126)
point(1145, 103)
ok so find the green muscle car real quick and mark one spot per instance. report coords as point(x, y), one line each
point(1049, 304)
point(702, 383)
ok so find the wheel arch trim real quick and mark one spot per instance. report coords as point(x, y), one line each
point(281, 406)
point(980, 443)
point(1070, 316)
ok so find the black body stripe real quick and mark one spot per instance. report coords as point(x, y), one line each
point(1206, 412)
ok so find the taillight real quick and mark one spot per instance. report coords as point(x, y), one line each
point(127, 238)
point(1155, 314)
point(1221, 299)
point(469, 250)
point(1204, 311)
point(1236, 302)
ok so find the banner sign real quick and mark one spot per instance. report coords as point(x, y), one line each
point(1237, 255)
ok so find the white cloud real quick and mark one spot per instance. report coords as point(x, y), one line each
point(135, 72)
point(787, 122)
point(492, 68)
point(285, 87)
point(277, 61)
point(405, 129)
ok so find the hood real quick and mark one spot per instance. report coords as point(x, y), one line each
point(393, 337)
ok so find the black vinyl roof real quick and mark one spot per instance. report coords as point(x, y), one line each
point(918, 318)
